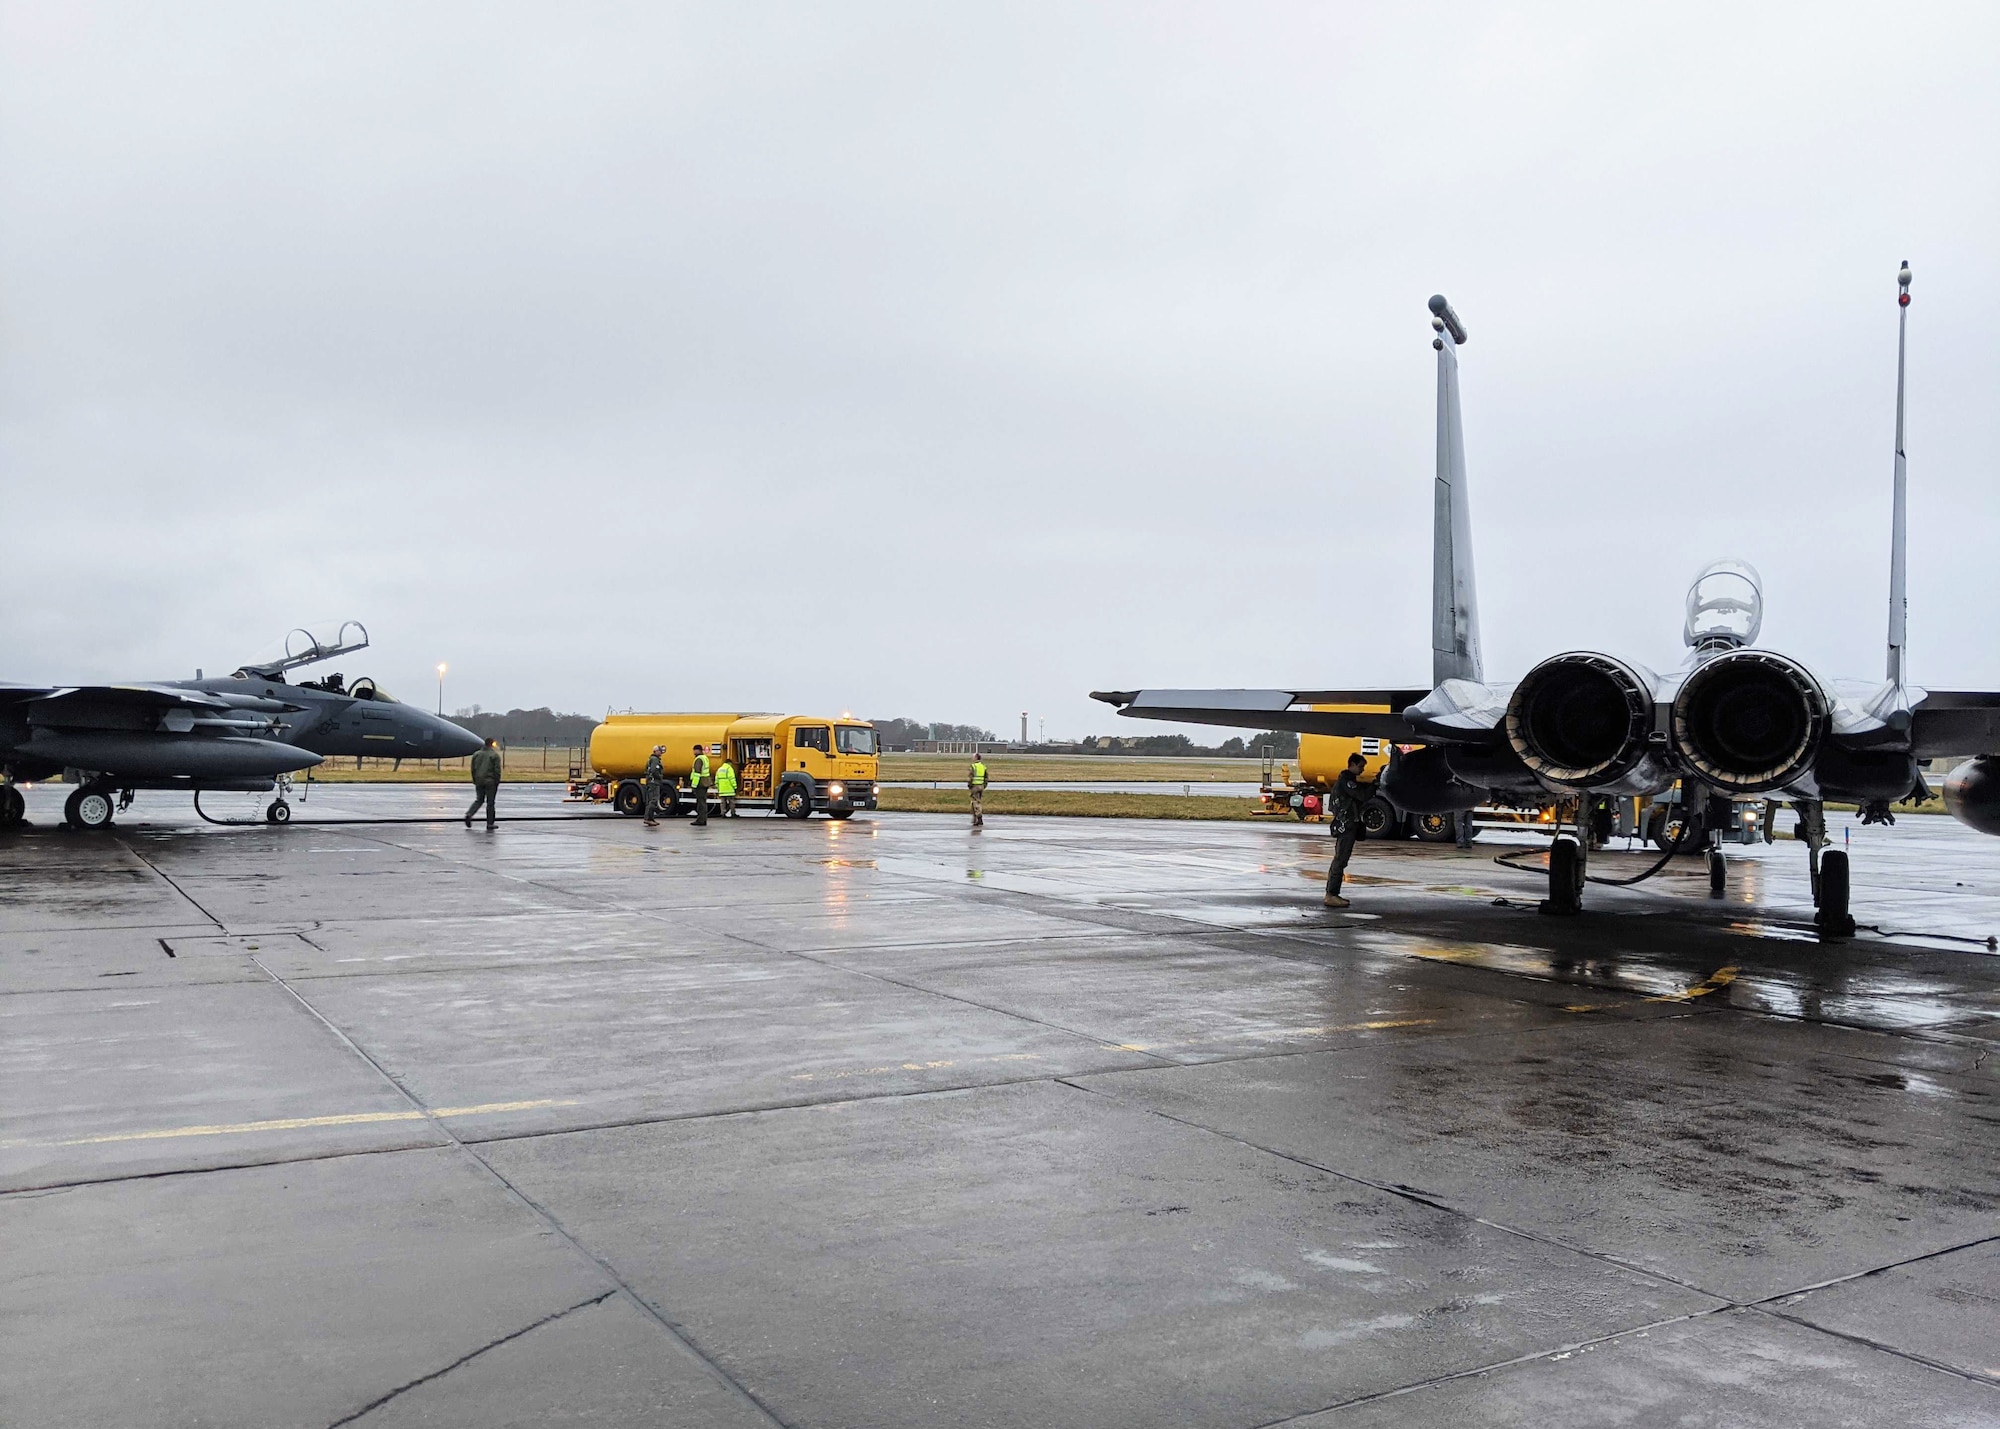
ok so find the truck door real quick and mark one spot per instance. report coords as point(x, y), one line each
point(812, 750)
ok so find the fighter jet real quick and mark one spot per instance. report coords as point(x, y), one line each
point(1733, 721)
point(251, 730)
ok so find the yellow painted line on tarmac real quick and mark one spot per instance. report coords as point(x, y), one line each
point(303, 1123)
point(931, 1066)
point(1714, 982)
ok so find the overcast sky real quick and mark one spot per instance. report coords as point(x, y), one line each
point(950, 360)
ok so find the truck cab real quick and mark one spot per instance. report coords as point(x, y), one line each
point(829, 766)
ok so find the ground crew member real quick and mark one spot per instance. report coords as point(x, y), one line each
point(725, 788)
point(656, 778)
point(1350, 796)
point(1463, 830)
point(485, 781)
point(976, 781)
point(698, 777)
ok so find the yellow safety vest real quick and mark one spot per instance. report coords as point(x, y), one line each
point(725, 780)
point(699, 774)
point(978, 775)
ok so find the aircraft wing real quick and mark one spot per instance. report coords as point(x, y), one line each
point(1273, 709)
point(1953, 722)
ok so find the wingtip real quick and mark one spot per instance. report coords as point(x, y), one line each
point(1115, 697)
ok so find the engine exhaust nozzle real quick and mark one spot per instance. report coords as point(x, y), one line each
point(1749, 722)
point(1583, 721)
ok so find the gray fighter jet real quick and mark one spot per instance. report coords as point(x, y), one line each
point(1733, 721)
point(252, 730)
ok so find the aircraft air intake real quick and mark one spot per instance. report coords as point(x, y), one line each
point(1583, 721)
point(1749, 721)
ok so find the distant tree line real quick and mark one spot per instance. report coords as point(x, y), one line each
point(1284, 745)
point(518, 727)
point(901, 733)
point(522, 727)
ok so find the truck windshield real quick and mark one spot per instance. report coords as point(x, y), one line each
point(854, 740)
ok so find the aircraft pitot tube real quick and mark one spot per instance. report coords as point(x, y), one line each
point(1582, 720)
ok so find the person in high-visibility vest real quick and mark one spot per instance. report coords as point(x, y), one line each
point(725, 788)
point(698, 777)
point(976, 781)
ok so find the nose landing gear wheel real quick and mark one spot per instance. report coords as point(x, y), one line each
point(279, 813)
point(89, 809)
point(1833, 918)
point(1565, 878)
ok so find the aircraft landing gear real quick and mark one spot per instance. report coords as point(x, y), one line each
point(90, 808)
point(1565, 898)
point(1718, 872)
point(1829, 872)
point(1833, 918)
point(279, 813)
point(13, 807)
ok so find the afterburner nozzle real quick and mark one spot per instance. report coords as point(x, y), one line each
point(1442, 311)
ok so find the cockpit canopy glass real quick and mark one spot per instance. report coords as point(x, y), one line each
point(366, 689)
point(1725, 605)
point(854, 739)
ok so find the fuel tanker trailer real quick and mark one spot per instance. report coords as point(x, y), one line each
point(791, 764)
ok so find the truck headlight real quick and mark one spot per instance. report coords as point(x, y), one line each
point(834, 791)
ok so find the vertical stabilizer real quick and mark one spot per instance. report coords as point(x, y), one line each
point(1899, 533)
point(1454, 597)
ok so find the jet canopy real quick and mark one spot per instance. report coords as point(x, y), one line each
point(303, 647)
point(1725, 606)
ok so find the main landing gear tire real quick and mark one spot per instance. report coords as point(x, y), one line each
point(1833, 917)
point(13, 807)
point(630, 800)
point(90, 809)
point(1379, 820)
point(794, 802)
point(1435, 828)
point(279, 813)
point(1565, 878)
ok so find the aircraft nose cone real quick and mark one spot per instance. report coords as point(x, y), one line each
point(457, 742)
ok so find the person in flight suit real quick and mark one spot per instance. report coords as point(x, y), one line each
point(699, 780)
point(1350, 796)
point(725, 788)
point(485, 781)
point(656, 778)
point(976, 781)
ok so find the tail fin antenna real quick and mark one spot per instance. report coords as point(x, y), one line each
point(1899, 533)
point(1454, 595)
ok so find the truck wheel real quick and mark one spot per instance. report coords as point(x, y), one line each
point(1435, 828)
point(13, 807)
point(794, 802)
point(840, 813)
point(630, 799)
point(1379, 819)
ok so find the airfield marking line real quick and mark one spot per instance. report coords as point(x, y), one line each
point(301, 1123)
point(1714, 982)
point(155, 870)
point(1859, 1339)
point(376, 1403)
point(678, 1334)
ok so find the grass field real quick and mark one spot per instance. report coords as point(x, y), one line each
point(1071, 803)
point(533, 765)
point(1072, 768)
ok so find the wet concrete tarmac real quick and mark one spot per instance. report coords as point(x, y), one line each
point(1071, 1122)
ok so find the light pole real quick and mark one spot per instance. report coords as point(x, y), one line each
point(440, 689)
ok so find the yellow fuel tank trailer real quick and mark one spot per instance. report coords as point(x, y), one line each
point(792, 764)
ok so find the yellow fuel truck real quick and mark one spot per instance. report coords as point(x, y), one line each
point(793, 764)
point(1321, 759)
